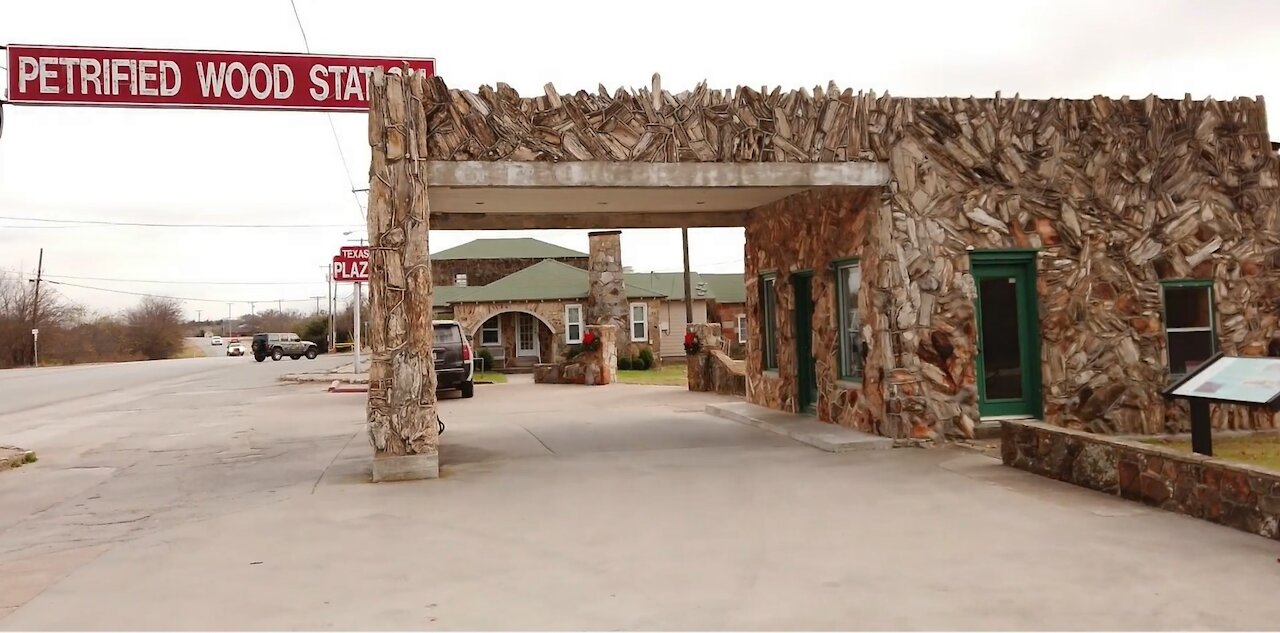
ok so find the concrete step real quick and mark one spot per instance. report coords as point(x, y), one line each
point(801, 428)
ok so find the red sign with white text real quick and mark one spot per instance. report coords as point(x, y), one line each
point(70, 75)
point(351, 264)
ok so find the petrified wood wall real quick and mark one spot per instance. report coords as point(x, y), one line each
point(809, 232)
point(1118, 195)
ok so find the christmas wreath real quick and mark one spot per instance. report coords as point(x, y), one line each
point(590, 342)
point(691, 343)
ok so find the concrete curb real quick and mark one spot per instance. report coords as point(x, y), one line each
point(801, 428)
point(336, 387)
point(359, 379)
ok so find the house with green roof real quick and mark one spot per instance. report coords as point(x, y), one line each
point(533, 314)
point(522, 299)
point(484, 261)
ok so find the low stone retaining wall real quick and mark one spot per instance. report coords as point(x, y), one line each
point(715, 371)
point(1232, 494)
point(587, 368)
point(711, 369)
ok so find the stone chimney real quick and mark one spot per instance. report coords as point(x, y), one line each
point(607, 292)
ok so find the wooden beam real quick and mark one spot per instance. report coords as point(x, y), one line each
point(637, 220)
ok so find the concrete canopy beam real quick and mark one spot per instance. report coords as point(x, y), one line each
point(488, 174)
point(630, 220)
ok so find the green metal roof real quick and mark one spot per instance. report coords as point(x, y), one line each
point(727, 287)
point(671, 284)
point(444, 295)
point(548, 280)
point(506, 248)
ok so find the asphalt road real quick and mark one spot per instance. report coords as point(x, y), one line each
point(27, 389)
point(204, 494)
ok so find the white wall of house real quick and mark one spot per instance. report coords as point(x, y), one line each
point(673, 317)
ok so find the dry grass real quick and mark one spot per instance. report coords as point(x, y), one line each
point(1259, 450)
point(674, 375)
point(189, 350)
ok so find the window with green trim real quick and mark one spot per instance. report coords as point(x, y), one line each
point(769, 320)
point(852, 348)
point(1188, 323)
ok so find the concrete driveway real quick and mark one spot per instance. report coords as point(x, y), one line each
point(560, 507)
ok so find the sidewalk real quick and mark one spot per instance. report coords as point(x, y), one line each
point(341, 373)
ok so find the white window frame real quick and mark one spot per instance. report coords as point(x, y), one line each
point(496, 329)
point(568, 332)
point(631, 317)
point(740, 324)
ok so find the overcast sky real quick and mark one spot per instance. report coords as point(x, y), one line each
point(155, 165)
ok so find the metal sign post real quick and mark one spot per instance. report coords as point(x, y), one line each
point(35, 347)
point(352, 264)
point(355, 369)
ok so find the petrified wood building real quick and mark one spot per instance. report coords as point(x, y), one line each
point(914, 265)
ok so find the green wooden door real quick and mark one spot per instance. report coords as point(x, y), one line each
point(1008, 333)
point(806, 366)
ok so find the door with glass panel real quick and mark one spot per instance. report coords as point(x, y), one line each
point(1008, 333)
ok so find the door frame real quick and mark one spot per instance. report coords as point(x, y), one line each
point(806, 365)
point(535, 351)
point(1023, 261)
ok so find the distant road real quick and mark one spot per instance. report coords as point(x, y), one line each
point(29, 388)
point(203, 342)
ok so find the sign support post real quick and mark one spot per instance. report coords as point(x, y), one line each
point(355, 368)
point(1201, 427)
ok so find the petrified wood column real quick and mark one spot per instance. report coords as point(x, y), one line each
point(607, 289)
point(402, 394)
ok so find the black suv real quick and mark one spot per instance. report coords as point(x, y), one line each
point(452, 356)
point(278, 346)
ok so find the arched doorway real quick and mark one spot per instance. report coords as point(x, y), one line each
point(516, 340)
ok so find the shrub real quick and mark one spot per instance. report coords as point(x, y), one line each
point(624, 363)
point(572, 352)
point(487, 358)
point(646, 358)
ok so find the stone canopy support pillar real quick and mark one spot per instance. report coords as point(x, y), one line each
point(607, 289)
point(402, 394)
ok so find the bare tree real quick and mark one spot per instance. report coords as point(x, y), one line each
point(154, 327)
point(56, 316)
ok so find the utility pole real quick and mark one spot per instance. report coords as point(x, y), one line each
point(688, 291)
point(280, 306)
point(317, 298)
point(251, 308)
point(226, 325)
point(198, 315)
point(35, 315)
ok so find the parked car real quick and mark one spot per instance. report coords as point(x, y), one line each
point(235, 349)
point(452, 355)
point(217, 340)
point(279, 345)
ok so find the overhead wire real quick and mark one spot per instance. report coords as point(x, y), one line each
point(176, 282)
point(346, 169)
point(162, 296)
point(175, 224)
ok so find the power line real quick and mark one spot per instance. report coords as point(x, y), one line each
point(346, 169)
point(159, 296)
point(181, 283)
point(179, 225)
